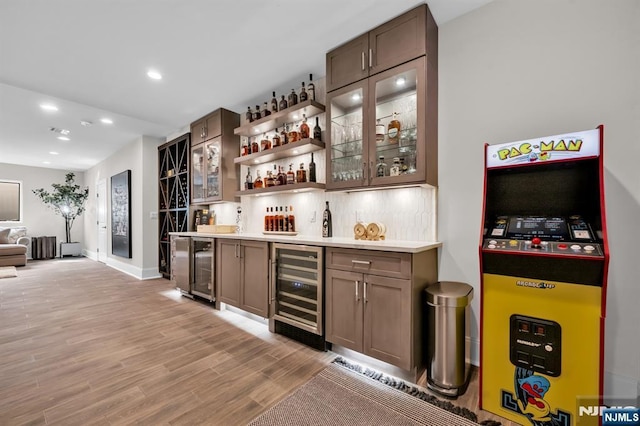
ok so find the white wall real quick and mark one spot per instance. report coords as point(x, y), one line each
point(515, 70)
point(141, 157)
point(37, 217)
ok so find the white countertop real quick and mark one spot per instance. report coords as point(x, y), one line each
point(402, 246)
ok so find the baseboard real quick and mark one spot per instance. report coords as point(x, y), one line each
point(134, 271)
point(93, 255)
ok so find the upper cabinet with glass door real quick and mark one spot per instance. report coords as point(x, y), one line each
point(383, 128)
point(214, 176)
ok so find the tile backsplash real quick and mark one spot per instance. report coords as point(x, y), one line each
point(408, 213)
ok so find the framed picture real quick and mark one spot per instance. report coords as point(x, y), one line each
point(121, 214)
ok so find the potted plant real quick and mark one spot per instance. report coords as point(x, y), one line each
point(68, 200)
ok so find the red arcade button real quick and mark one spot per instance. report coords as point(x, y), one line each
point(562, 246)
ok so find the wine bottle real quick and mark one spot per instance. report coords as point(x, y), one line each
point(312, 170)
point(326, 222)
point(248, 183)
point(293, 98)
point(292, 220)
point(317, 131)
point(248, 115)
point(274, 103)
point(303, 93)
point(283, 103)
point(311, 88)
point(304, 128)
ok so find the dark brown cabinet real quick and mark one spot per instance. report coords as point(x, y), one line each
point(173, 196)
point(214, 176)
point(242, 275)
point(383, 124)
point(397, 41)
point(373, 303)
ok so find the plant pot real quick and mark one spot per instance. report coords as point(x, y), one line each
point(70, 249)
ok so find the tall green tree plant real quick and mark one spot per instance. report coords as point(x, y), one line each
point(66, 199)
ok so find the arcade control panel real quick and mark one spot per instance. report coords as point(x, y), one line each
point(537, 234)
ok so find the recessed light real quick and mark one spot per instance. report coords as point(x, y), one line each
point(355, 96)
point(106, 121)
point(154, 75)
point(46, 162)
point(400, 81)
point(295, 151)
point(86, 123)
point(63, 138)
point(295, 116)
point(53, 153)
point(48, 107)
point(256, 161)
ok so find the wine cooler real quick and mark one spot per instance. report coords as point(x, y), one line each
point(297, 287)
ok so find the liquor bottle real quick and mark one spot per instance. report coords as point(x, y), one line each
point(311, 88)
point(254, 146)
point(394, 129)
point(304, 128)
point(269, 181)
point(267, 220)
point(326, 222)
point(292, 135)
point(292, 220)
point(317, 131)
point(276, 138)
point(265, 110)
point(395, 169)
point(258, 182)
point(283, 135)
point(274, 103)
point(283, 103)
point(303, 93)
point(249, 115)
point(312, 170)
point(281, 220)
point(256, 113)
point(286, 227)
point(281, 179)
point(301, 174)
point(404, 169)
point(381, 167)
point(248, 182)
point(272, 220)
point(245, 149)
point(275, 175)
point(293, 98)
point(379, 131)
point(291, 177)
point(265, 143)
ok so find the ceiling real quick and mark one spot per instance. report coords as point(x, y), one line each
point(90, 58)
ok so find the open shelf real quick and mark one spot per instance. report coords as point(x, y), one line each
point(280, 118)
point(291, 149)
point(283, 189)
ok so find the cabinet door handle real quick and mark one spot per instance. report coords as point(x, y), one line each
point(370, 58)
point(364, 167)
point(361, 262)
point(356, 282)
point(274, 279)
point(371, 175)
point(363, 61)
point(365, 291)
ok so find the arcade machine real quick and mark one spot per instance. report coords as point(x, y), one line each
point(543, 261)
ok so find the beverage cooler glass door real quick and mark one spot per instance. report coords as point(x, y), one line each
point(397, 136)
point(347, 158)
point(202, 250)
point(197, 170)
point(298, 286)
point(213, 168)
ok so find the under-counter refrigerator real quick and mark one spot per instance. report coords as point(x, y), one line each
point(192, 266)
point(297, 287)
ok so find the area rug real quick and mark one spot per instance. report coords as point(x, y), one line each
point(8, 272)
point(339, 395)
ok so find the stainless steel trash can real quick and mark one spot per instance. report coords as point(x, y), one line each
point(447, 325)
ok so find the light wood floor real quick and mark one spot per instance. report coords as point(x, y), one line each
point(83, 344)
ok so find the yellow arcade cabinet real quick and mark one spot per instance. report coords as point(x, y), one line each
point(543, 261)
